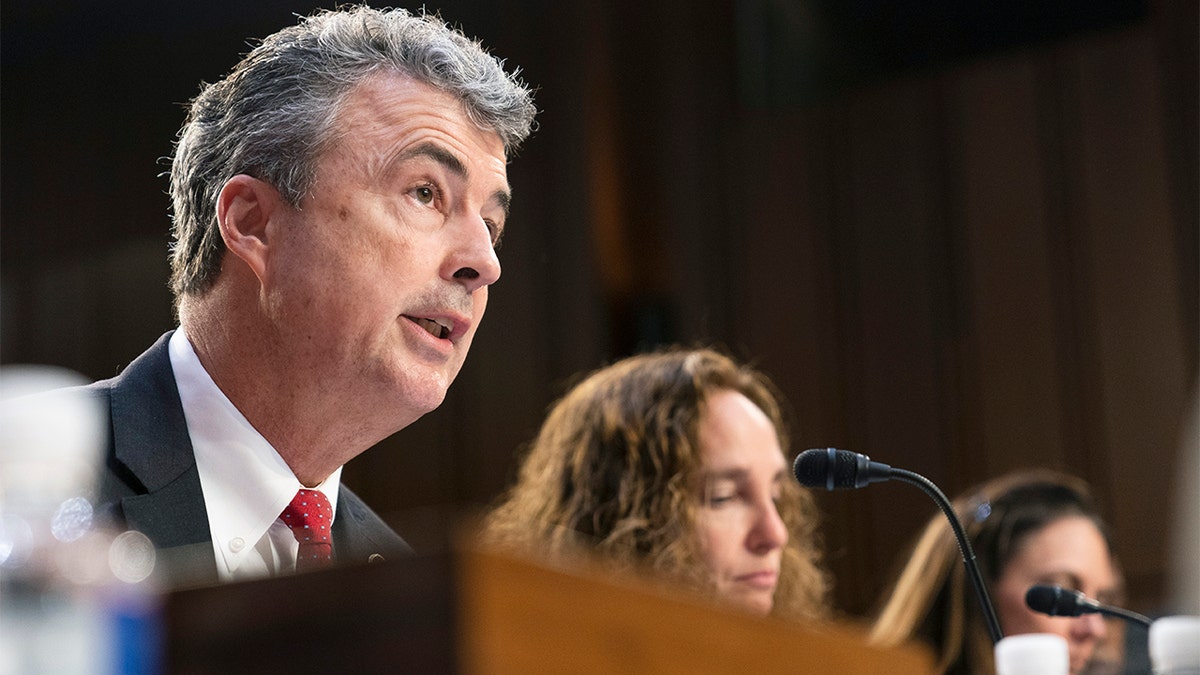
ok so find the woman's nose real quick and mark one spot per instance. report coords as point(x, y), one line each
point(769, 532)
point(1089, 626)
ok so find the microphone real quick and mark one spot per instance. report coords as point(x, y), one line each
point(835, 469)
point(1058, 601)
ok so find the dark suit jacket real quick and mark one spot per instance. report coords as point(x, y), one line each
point(150, 482)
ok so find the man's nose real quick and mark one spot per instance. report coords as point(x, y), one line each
point(472, 260)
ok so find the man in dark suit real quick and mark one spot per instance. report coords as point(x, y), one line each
point(337, 200)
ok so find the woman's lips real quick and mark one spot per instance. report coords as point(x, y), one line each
point(763, 579)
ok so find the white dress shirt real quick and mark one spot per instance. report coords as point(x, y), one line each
point(246, 483)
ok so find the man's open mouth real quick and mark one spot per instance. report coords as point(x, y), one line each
point(437, 330)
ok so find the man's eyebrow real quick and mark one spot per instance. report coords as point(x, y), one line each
point(438, 154)
point(503, 198)
point(452, 163)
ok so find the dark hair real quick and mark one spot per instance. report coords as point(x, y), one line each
point(1003, 523)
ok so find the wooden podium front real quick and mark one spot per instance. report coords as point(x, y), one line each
point(479, 611)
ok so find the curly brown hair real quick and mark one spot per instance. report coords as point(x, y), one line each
point(616, 468)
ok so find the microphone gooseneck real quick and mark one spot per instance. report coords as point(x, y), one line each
point(835, 469)
point(1058, 601)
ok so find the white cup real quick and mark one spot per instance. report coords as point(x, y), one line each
point(1032, 654)
point(1175, 645)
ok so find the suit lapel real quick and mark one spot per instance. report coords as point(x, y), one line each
point(150, 438)
point(359, 535)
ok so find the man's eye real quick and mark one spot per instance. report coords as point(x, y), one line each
point(496, 232)
point(425, 194)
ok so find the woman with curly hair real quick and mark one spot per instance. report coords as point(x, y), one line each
point(673, 461)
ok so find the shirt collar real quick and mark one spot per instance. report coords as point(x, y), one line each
point(246, 483)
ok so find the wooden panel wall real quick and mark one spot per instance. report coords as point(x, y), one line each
point(989, 251)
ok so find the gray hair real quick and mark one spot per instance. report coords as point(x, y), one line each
point(274, 114)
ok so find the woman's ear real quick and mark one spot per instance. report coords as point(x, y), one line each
point(244, 208)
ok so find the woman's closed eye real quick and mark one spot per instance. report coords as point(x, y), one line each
point(720, 499)
point(720, 493)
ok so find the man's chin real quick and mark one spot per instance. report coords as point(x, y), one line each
point(411, 400)
point(428, 402)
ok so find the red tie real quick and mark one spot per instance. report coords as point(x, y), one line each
point(310, 515)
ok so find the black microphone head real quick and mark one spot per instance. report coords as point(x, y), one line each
point(829, 468)
point(1057, 601)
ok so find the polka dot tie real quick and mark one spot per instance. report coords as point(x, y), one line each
point(310, 516)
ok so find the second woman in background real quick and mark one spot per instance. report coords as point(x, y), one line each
point(1026, 528)
point(673, 461)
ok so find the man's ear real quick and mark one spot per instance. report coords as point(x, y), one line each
point(245, 206)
